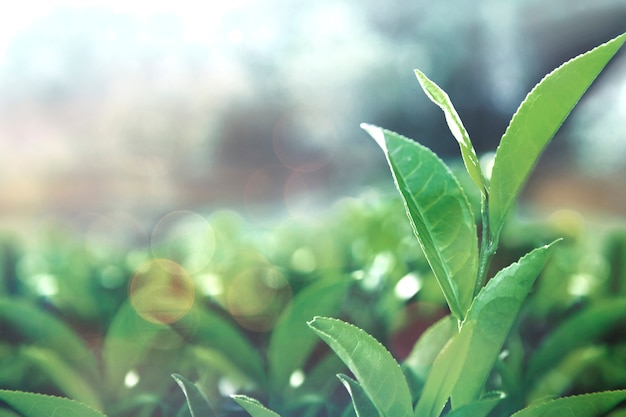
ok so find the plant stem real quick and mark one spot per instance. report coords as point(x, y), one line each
point(487, 247)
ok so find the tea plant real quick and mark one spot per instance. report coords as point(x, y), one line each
point(460, 352)
point(473, 362)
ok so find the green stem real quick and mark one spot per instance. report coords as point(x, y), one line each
point(487, 247)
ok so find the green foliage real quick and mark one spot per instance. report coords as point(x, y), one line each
point(198, 405)
point(475, 361)
point(440, 215)
point(377, 372)
point(535, 123)
point(38, 405)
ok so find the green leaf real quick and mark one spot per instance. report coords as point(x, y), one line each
point(127, 340)
point(440, 98)
point(479, 408)
point(45, 330)
point(37, 405)
point(490, 320)
point(581, 329)
point(292, 342)
point(429, 345)
point(443, 375)
point(372, 365)
point(587, 405)
point(562, 376)
point(440, 215)
point(65, 377)
point(198, 404)
point(363, 406)
point(534, 124)
point(253, 407)
point(206, 327)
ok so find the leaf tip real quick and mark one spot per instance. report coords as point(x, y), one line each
point(376, 133)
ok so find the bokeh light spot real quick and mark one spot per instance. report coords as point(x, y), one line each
point(257, 296)
point(161, 291)
point(408, 286)
point(184, 237)
point(297, 378)
point(131, 379)
point(303, 260)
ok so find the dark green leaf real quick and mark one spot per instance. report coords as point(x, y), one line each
point(491, 317)
point(363, 406)
point(292, 342)
point(37, 405)
point(581, 329)
point(253, 407)
point(534, 124)
point(440, 215)
point(440, 98)
point(198, 404)
point(587, 405)
point(374, 367)
point(561, 376)
point(45, 330)
point(211, 330)
point(66, 378)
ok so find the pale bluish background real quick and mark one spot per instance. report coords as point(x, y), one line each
point(146, 107)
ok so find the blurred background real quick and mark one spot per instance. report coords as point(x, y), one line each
point(133, 109)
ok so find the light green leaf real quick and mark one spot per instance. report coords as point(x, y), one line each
point(440, 98)
point(479, 408)
point(197, 402)
point(45, 330)
point(534, 124)
point(440, 215)
point(443, 375)
point(363, 406)
point(37, 405)
point(579, 330)
point(490, 320)
point(292, 342)
point(429, 345)
point(127, 340)
point(588, 405)
point(372, 365)
point(254, 407)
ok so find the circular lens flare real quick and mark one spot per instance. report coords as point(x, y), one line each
point(161, 291)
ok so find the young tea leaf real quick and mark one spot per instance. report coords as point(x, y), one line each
point(440, 215)
point(292, 342)
point(479, 408)
point(37, 405)
point(491, 317)
point(254, 407)
point(374, 367)
point(428, 346)
point(198, 404)
point(440, 98)
point(596, 404)
point(534, 124)
point(363, 406)
point(443, 375)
